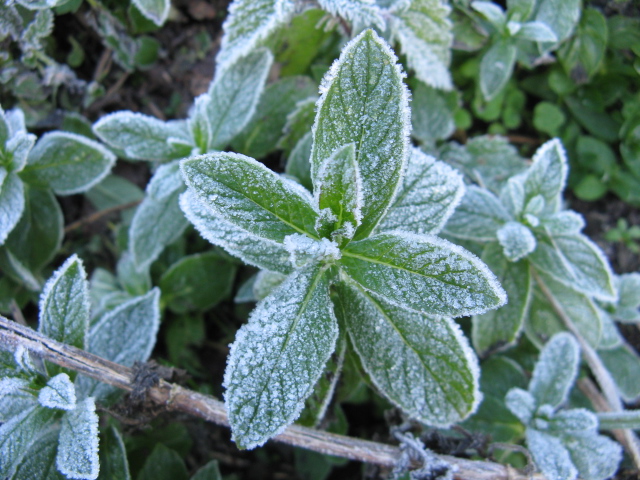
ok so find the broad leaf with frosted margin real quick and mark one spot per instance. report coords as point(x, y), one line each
point(547, 175)
point(19, 433)
point(249, 195)
point(58, 393)
point(78, 442)
point(623, 362)
point(248, 23)
point(560, 15)
point(423, 273)
point(18, 148)
point(421, 363)
point(565, 222)
point(577, 262)
point(425, 34)
point(68, 163)
point(155, 10)
point(430, 192)
point(550, 455)
point(575, 420)
point(496, 67)
point(595, 456)
point(64, 304)
point(158, 220)
point(555, 370)
point(492, 12)
point(278, 356)
point(113, 456)
point(11, 202)
point(498, 329)
point(517, 240)
point(251, 249)
point(141, 137)
point(363, 100)
point(537, 32)
point(358, 12)
point(628, 305)
point(40, 461)
point(521, 403)
point(478, 217)
point(124, 335)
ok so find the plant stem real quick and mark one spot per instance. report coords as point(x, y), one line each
point(176, 398)
point(94, 217)
point(600, 372)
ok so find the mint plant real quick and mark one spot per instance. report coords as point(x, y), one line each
point(365, 237)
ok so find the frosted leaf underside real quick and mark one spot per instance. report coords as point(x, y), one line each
point(421, 363)
point(424, 273)
point(278, 356)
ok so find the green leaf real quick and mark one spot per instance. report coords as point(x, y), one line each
point(197, 282)
point(133, 281)
point(298, 125)
point(583, 54)
point(548, 118)
point(278, 356)
point(496, 68)
point(425, 34)
point(421, 363)
point(78, 443)
point(500, 328)
point(64, 304)
point(249, 195)
point(623, 364)
point(209, 472)
point(17, 150)
point(364, 101)
point(67, 163)
point(521, 403)
point(618, 420)
point(251, 249)
point(561, 15)
point(163, 464)
point(58, 393)
point(564, 222)
point(478, 217)
point(431, 117)
point(40, 461)
point(626, 309)
point(158, 220)
point(358, 12)
point(536, 32)
point(423, 273)
point(516, 240)
point(141, 137)
point(430, 192)
point(574, 421)
point(550, 455)
point(519, 10)
point(595, 456)
point(492, 12)
point(11, 202)
point(113, 456)
point(298, 164)
point(155, 10)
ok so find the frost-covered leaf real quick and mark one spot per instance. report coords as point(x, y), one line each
point(163, 464)
point(556, 370)
point(595, 456)
point(547, 175)
point(624, 364)
point(363, 100)
point(627, 308)
point(68, 163)
point(40, 461)
point(113, 456)
point(12, 386)
point(19, 433)
point(251, 249)
point(303, 250)
point(141, 137)
point(492, 12)
point(298, 124)
point(78, 442)
point(17, 149)
point(249, 195)
point(519, 10)
point(431, 117)
point(550, 455)
point(338, 192)
point(209, 472)
point(11, 202)
point(576, 420)
point(124, 335)
point(565, 222)
point(155, 10)
point(611, 337)
point(278, 356)
point(521, 403)
point(64, 304)
point(59, 393)
point(577, 262)
point(478, 217)
point(496, 67)
point(38, 29)
point(425, 34)
point(560, 15)
point(158, 220)
point(423, 273)
point(362, 13)
point(266, 282)
point(248, 23)
point(421, 363)
point(298, 164)
point(516, 240)
point(430, 193)
point(500, 328)
point(234, 95)
point(536, 32)
point(130, 279)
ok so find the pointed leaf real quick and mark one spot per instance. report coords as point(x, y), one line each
point(58, 393)
point(18, 149)
point(40, 461)
point(565, 222)
point(560, 15)
point(249, 195)
point(431, 116)
point(163, 464)
point(576, 420)
point(627, 308)
point(623, 363)
point(521, 403)
point(209, 472)
point(67, 163)
point(516, 240)
point(78, 443)
point(536, 32)
point(430, 193)
point(365, 101)
point(595, 456)
point(496, 68)
point(547, 175)
point(478, 217)
point(155, 10)
point(64, 304)
point(492, 12)
point(550, 455)
point(113, 456)
point(358, 12)
point(421, 363)
point(11, 202)
point(278, 357)
point(298, 164)
point(424, 273)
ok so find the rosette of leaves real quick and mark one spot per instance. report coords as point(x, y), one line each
point(366, 238)
point(31, 172)
point(526, 234)
point(564, 443)
point(49, 422)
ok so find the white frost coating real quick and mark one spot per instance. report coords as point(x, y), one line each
point(628, 286)
point(23, 359)
point(12, 386)
point(251, 249)
point(155, 10)
point(430, 193)
point(58, 393)
point(19, 147)
point(11, 202)
point(516, 240)
point(521, 403)
point(478, 216)
point(556, 370)
point(278, 356)
point(547, 175)
point(303, 249)
point(78, 442)
point(265, 282)
point(565, 222)
point(65, 305)
point(596, 457)
point(550, 455)
point(358, 12)
point(575, 420)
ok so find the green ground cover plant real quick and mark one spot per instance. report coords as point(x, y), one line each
point(339, 207)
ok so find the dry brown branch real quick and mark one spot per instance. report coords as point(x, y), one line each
point(94, 217)
point(176, 398)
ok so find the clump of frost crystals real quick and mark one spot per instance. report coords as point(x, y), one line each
point(360, 249)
